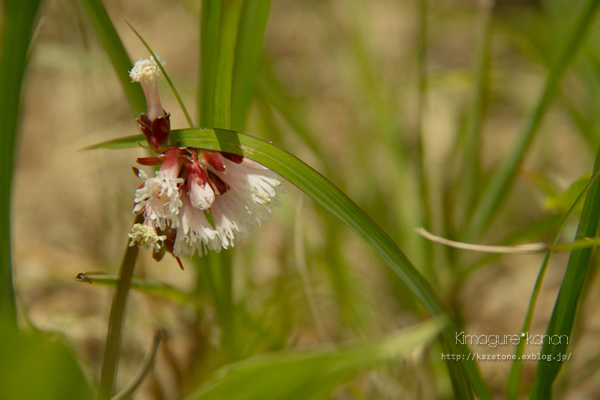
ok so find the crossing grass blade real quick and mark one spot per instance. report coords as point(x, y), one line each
point(326, 194)
point(18, 18)
point(565, 308)
point(114, 48)
point(515, 369)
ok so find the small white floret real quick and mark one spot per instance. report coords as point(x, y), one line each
point(145, 69)
point(145, 236)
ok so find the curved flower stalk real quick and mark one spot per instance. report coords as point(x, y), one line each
point(199, 200)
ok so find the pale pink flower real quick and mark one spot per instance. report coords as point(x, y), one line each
point(199, 200)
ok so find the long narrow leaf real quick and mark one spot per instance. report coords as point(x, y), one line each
point(210, 16)
point(230, 19)
point(253, 21)
point(153, 288)
point(565, 308)
point(515, 369)
point(326, 194)
point(17, 27)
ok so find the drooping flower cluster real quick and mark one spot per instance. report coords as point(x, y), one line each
point(199, 199)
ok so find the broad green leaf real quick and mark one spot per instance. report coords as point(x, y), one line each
point(18, 18)
point(34, 367)
point(310, 374)
point(326, 194)
point(111, 42)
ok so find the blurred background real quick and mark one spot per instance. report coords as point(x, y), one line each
point(377, 98)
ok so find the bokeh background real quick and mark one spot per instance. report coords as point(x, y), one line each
point(340, 87)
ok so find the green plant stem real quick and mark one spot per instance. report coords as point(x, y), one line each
point(18, 18)
point(115, 322)
point(565, 308)
point(500, 185)
point(222, 264)
point(515, 369)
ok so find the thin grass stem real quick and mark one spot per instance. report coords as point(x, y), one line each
point(112, 349)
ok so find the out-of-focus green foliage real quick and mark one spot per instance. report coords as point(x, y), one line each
point(18, 17)
point(37, 366)
point(310, 374)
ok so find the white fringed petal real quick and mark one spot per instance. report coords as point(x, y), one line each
point(248, 202)
point(194, 232)
point(160, 198)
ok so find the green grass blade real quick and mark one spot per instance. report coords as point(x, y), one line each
point(563, 315)
point(326, 194)
point(248, 50)
point(310, 374)
point(422, 176)
point(230, 19)
point(515, 369)
point(17, 28)
point(153, 288)
point(111, 42)
point(499, 187)
point(210, 17)
point(472, 168)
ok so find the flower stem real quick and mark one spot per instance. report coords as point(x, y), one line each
point(115, 322)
